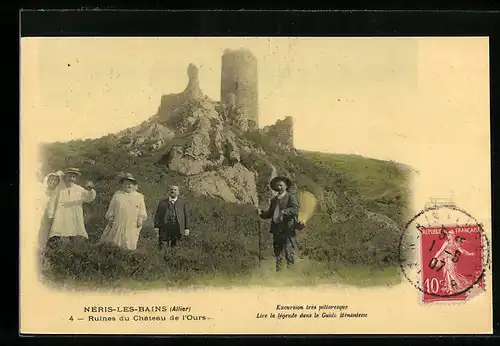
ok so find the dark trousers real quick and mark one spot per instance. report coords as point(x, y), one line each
point(283, 247)
point(169, 235)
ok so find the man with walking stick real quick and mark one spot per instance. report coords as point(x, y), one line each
point(283, 212)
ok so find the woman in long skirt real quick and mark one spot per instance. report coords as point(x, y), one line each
point(125, 215)
point(51, 182)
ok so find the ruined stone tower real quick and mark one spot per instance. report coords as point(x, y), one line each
point(239, 83)
point(193, 88)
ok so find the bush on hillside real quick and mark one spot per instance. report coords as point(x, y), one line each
point(223, 251)
point(356, 242)
point(224, 240)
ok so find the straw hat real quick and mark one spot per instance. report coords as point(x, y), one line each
point(72, 170)
point(127, 176)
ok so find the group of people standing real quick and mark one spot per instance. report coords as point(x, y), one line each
point(63, 217)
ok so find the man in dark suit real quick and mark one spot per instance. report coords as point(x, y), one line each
point(171, 219)
point(283, 212)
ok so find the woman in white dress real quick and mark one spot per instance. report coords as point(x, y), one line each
point(125, 215)
point(50, 182)
point(65, 210)
point(135, 186)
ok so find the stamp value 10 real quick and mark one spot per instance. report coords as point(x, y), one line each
point(444, 253)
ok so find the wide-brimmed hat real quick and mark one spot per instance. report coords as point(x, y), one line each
point(127, 176)
point(72, 170)
point(275, 180)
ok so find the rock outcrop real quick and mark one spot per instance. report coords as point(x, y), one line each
point(201, 139)
point(282, 131)
point(233, 184)
point(193, 91)
point(148, 134)
point(234, 115)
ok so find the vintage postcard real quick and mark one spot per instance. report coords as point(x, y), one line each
point(255, 185)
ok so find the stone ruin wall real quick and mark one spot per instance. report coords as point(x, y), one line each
point(239, 96)
point(282, 131)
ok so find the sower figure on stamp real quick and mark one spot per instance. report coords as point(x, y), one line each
point(283, 211)
point(449, 254)
point(171, 219)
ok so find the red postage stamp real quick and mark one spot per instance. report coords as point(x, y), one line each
point(452, 265)
point(444, 253)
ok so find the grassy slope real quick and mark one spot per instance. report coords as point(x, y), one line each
point(224, 245)
point(380, 186)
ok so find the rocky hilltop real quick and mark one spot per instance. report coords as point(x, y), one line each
point(203, 140)
point(223, 162)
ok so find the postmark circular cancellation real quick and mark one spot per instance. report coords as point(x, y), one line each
point(444, 253)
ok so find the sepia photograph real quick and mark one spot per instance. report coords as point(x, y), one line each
point(256, 179)
point(213, 189)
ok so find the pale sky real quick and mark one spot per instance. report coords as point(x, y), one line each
point(420, 101)
point(119, 81)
